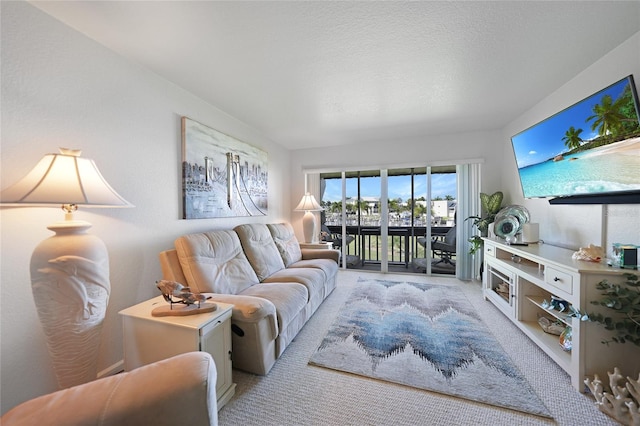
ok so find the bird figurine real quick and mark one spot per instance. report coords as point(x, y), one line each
point(171, 289)
point(191, 298)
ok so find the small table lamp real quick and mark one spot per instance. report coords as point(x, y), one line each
point(70, 270)
point(309, 204)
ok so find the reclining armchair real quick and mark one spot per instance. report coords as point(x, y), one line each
point(175, 391)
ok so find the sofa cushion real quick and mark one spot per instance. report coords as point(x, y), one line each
point(214, 262)
point(312, 278)
point(328, 266)
point(286, 242)
point(260, 249)
point(288, 298)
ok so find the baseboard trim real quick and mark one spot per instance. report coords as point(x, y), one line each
point(116, 368)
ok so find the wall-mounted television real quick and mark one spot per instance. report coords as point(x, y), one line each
point(588, 153)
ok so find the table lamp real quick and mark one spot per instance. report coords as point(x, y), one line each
point(69, 270)
point(309, 204)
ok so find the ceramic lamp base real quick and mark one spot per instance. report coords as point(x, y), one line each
point(70, 285)
point(309, 227)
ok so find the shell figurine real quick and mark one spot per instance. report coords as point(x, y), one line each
point(592, 253)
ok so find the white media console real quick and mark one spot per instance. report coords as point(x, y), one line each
point(519, 279)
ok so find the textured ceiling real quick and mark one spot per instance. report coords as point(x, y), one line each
point(310, 74)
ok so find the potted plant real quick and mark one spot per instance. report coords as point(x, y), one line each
point(624, 299)
point(491, 205)
point(622, 399)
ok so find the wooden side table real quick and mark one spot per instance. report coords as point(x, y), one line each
point(149, 339)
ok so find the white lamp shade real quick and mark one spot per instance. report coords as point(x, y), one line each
point(64, 178)
point(309, 204)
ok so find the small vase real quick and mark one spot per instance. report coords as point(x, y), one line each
point(565, 339)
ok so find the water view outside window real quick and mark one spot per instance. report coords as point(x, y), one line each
point(405, 201)
point(409, 218)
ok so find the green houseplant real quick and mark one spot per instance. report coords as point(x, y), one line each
point(624, 299)
point(491, 205)
point(622, 399)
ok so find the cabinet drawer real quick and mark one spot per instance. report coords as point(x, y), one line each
point(489, 250)
point(559, 279)
point(213, 324)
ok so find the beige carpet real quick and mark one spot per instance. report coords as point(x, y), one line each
point(295, 393)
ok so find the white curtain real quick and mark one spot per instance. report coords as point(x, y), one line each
point(468, 205)
point(313, 185)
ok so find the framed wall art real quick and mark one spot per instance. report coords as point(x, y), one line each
point(221, 176)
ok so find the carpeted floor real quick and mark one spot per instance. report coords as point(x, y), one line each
point(427, 336)
point(296, 393)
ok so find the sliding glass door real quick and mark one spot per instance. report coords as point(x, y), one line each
point(390, 219)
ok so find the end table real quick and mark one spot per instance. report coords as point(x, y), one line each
point(149, 339)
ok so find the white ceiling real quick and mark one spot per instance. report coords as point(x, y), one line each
point(312, 74)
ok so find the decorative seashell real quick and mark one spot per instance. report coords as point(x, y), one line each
point(592, 253)
point(550, 326)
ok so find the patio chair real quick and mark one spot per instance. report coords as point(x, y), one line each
point(336, 239)
point(445, 249)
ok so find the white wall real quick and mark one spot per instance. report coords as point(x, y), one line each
point(420, 151)
point(578, 225)
point(60, 88)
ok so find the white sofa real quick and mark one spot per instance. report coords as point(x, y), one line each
point(175, 391)
point(274, 285)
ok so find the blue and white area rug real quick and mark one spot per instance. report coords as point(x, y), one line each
point(425, 336)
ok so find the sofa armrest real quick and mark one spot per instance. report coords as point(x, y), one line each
point(254, 331)
point(331, 254)
point(177, 390)
point(249, 309)
point(171, 269)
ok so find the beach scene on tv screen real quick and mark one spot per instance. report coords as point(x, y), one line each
point(592, 147)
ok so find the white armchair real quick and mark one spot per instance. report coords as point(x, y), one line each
point(175, 391)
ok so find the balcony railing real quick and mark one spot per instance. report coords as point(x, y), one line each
point(365, 244)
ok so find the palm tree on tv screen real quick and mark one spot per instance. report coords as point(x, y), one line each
point(608, 116)
point(628, 109)
point(572, 138)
